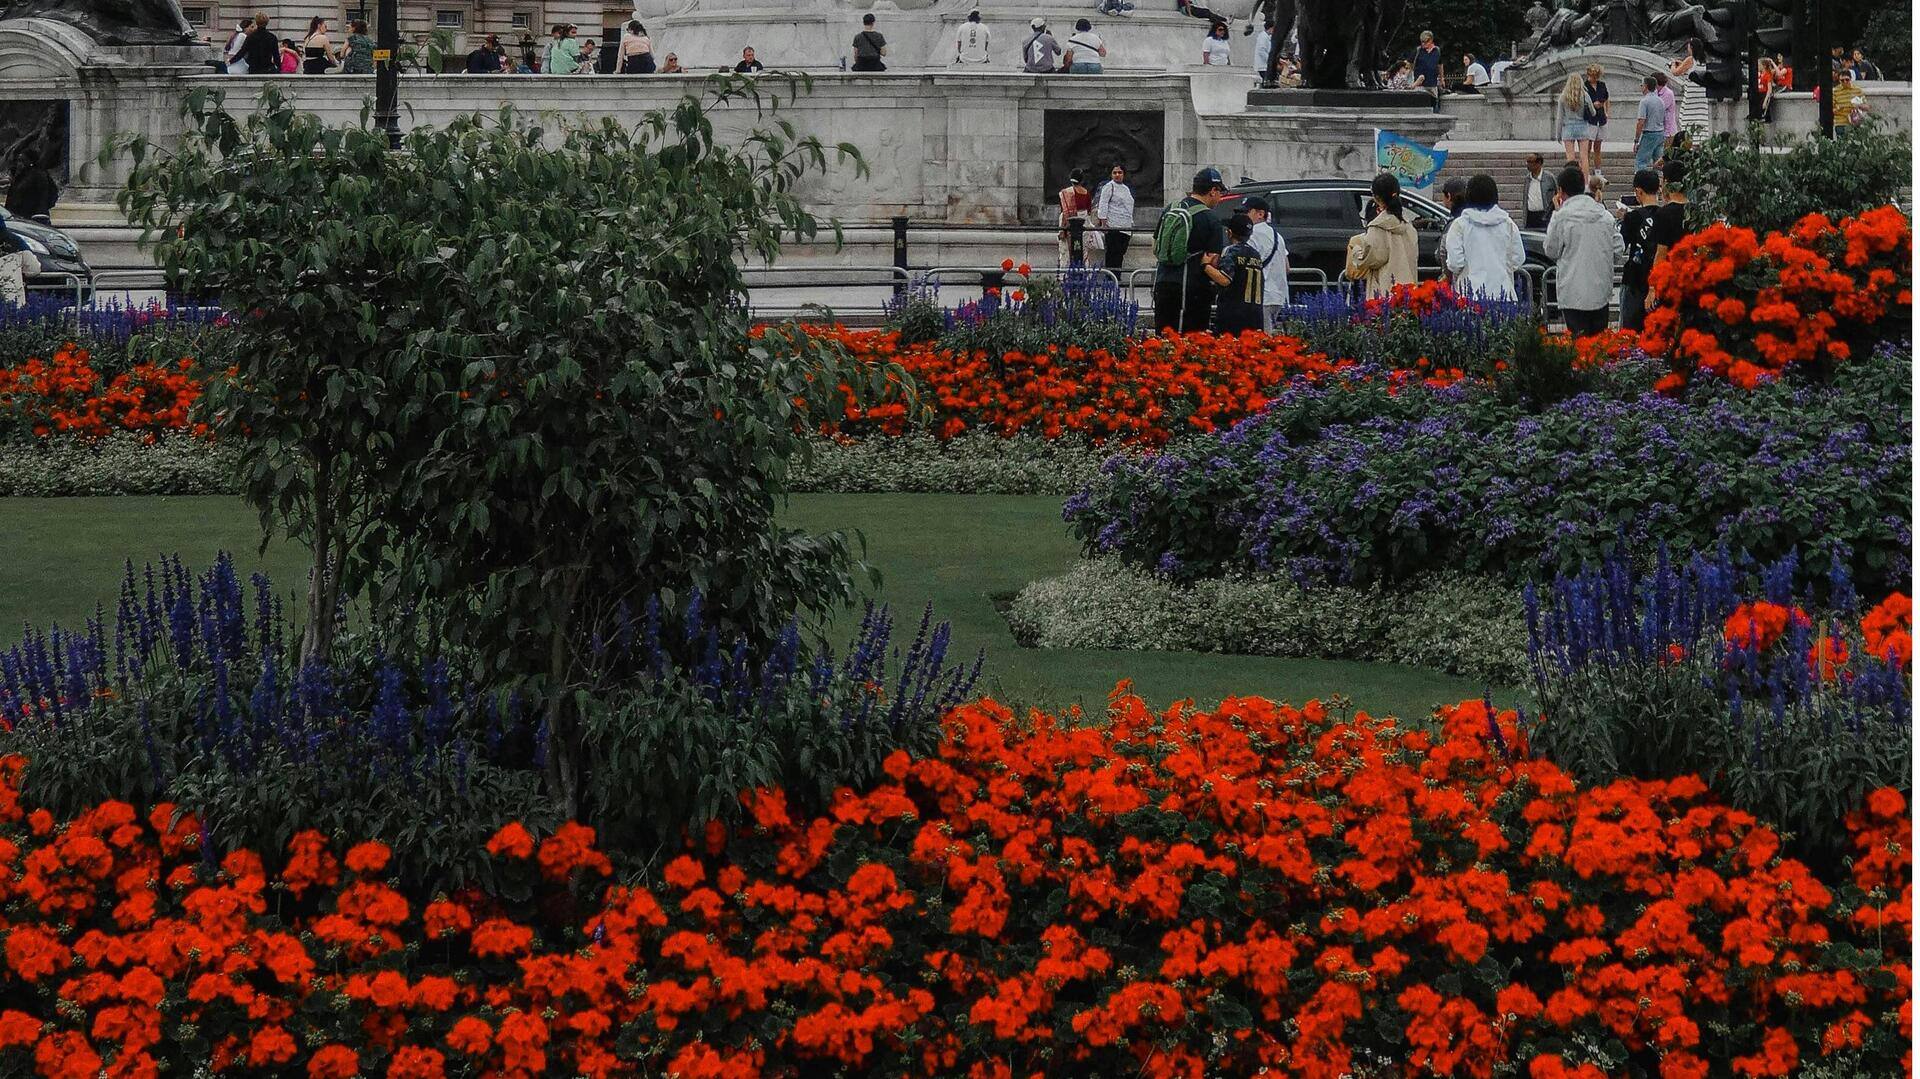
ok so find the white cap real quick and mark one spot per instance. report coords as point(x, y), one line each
point(1038, 24)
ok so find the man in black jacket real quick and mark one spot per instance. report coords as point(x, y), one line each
point(262, 50)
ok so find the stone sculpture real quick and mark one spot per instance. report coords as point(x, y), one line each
point(1661, 25)
point(35, 164)
point(1576, 23)
point(110, 22)
point(1342, 42)
point(1671, 20)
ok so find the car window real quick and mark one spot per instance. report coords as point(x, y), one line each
point(1427, 214)
point(1313, 209)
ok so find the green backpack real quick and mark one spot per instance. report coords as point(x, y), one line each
point(1171, 235)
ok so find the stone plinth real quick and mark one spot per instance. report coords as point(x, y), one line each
point(1394, 101)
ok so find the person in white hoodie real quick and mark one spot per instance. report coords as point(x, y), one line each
point(1482, 246)
point(1584, 242)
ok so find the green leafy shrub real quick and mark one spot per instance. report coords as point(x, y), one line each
point(1542, 372)
point(1887, 40)
point(1460, 625)
point(506, 425)
point(1766, 182)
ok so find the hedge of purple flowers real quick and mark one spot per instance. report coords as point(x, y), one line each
point(1349, 480)
point(192, 692)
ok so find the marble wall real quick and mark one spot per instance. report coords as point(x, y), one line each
point(963, 154)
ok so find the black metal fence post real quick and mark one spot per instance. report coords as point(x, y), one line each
point(900, 254)
point(386, 70)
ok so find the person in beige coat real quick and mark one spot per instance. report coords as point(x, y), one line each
point(1388, 253)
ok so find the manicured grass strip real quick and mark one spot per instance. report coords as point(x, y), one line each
point(61, 556)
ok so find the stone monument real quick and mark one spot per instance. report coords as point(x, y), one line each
point(1662, 26)
point(110, 22)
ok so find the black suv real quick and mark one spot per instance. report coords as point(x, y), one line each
point(1317, 217)
point(56, 252)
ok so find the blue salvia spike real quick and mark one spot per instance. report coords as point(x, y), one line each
point(390, 722)
point(180, 626)
point(51, 677)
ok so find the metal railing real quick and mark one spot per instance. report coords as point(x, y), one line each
point(68, 283)
point(987, 273)
point(824, 276)
point(1311, 278)
point(84, 287)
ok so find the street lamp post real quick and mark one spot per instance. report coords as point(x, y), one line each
point(386, 71)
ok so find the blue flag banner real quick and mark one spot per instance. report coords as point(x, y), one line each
point(1413, 164)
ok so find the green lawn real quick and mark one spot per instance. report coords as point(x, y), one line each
point(60, 557)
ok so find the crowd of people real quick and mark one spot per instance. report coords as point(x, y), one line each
point(1231, 275)
point(253, 48)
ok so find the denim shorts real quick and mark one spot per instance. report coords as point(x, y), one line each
point(1648, 149)
point(1081, 67)
point(1573, 129)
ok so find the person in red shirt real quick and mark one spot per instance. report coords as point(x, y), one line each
point(1076, 202)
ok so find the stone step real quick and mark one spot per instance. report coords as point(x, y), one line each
point(1507, 164)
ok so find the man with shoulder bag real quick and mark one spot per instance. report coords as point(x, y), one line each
point(1188, 240)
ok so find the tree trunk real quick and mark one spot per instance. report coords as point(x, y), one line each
point(566, 757)
point(316, 644)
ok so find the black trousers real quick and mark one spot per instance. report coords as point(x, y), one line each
point(1117, 241)
point(1187, 309)
point(1633, 307)
point(869, 65)
point(1537, 219)
point(1585, 323)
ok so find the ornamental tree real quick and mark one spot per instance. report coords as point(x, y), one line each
point(502, 381)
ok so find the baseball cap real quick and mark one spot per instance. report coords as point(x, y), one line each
point(1038, 24)
point(1255, 203)
point(1207, 180)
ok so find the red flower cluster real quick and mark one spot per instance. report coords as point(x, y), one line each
point(1746, 308)
point(1161, 387)
point(1428, 297)
point(1888, 629)
point(1181, 893)
point(1755, 626)
point(66, 397)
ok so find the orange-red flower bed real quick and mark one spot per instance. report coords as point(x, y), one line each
point(1161, 387)
point(67, 396)
point(1180, 893)
point(1747, 307)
